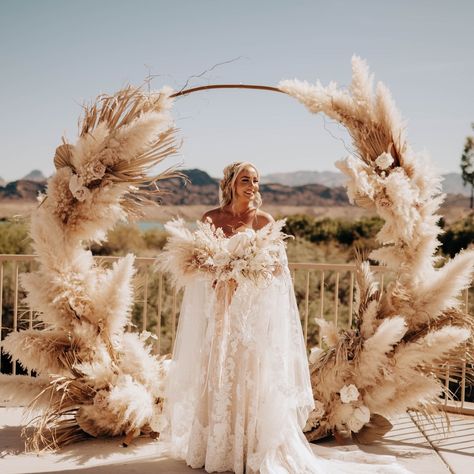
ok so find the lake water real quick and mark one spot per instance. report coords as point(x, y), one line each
point(147, 225)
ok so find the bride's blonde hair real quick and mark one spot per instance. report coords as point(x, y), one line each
point(227, 184)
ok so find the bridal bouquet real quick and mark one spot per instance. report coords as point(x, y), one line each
point(248, 255)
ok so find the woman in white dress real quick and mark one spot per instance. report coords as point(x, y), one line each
point(238, 391)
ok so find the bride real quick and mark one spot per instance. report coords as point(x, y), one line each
point(238, 393)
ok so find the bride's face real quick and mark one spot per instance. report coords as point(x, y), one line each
point(246, 184)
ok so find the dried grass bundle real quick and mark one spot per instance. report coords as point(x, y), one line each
point(385, 362)
point(96, 380)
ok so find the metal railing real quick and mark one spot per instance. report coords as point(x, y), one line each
point(322, 291)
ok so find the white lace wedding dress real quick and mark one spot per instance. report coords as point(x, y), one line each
point(238, 392)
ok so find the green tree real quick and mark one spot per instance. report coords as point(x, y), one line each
point(467, 165)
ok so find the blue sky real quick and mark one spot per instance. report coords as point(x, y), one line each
point(54, 55)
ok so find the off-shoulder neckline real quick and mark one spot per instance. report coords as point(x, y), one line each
point(280, 222)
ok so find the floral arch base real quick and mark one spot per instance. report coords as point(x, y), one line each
point(96, 379)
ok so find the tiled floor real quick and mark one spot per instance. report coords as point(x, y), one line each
point(416, 443)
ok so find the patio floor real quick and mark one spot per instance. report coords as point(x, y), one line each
point(418, 446)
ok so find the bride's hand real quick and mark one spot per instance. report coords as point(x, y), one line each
point(232, 285)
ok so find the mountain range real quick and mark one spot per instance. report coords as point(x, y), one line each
point(200, 188)
point(293, 188)
point(452, 182)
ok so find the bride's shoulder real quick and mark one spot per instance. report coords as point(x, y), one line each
point(262, 219)
point(212, 214)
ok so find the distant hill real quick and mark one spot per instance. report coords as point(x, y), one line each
point(22, 190)
point(2, 182)
point(452, 184)
point(35, 175)
point(299, 178)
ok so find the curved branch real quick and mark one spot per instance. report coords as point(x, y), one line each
point(226, 86)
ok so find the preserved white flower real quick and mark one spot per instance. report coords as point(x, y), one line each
point(384, 161)
point(314, 354)
point(360, 416)
point(98, 170)
point(77, 188)
point(349, 393)
point(362, 413)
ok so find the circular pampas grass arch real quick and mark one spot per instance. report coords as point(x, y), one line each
point(95, 379)
point(386, 363)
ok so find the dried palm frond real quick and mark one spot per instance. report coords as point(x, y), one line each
point(122, 108)
point(63, 155)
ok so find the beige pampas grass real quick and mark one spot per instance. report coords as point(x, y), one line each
point(418, 321)
point(374, 356)
point(48, 351)
point(95, 379)
point(430, 348)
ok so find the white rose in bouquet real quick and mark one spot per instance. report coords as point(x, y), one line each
point(349, 393)
point(221, 259)
point(238, 244)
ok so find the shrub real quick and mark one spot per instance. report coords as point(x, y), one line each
point(14, 238)
point(458, 236)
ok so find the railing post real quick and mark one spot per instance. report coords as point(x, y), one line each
point(336, 300)
point(306, 309)
point(159, 311)
point(15, 308)
point(145, 302)
point(351, 299)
